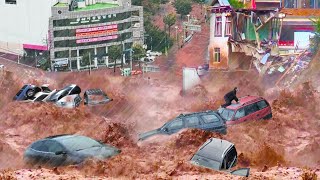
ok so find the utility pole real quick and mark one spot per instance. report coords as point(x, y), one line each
point(89, 63)
point(122, 54)
point(131, 60)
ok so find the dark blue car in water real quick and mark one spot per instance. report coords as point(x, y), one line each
point(205, 120)
point(26, 92)
point(67, 149)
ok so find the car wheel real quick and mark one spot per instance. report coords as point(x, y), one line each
point(30, 93)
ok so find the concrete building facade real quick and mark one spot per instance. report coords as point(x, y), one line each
point(24, 24)
point(91, 28)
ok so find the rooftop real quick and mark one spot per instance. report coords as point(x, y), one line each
point(59, 4)
point(242, 101)
point(97, 6)
point(301, 12)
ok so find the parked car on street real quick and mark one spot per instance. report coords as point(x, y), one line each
point(206, 120)
point(219, 155)
point(147, 60)
point(248, 108)
point(95, 97)
point(67, 149)
point(153, 53)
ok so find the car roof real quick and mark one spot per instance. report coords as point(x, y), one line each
point(243, 101)
point(214, 149)
point(196, 113)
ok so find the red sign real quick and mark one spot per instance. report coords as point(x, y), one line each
point(96, 39)
point(99, 28)
point(96, 33)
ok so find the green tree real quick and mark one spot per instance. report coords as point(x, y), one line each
point(138, 51)
point(169, 20)
point(114, 53)
point(236, 4)
point(183, 7)
point(315, 41)
point(85, 61)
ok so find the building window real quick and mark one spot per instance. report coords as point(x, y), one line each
point(218, 29)
point(290, 3)
point(216, 54)
point(228, 26)
point(11, 1)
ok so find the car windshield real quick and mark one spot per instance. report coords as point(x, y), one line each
point(79, 143)
point(226, 114)
point(63, 92)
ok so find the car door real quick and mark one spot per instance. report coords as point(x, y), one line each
point(252, 112)
point(38, 155)
point(191, 122)
point(53, 158)
point(175, 126)
point(264, 109)
point(239, 117)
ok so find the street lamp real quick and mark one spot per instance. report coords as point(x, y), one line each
point(176, 27)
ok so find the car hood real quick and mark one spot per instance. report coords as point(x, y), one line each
point(99, 152)
point(148, 134)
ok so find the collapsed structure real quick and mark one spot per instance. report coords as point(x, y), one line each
point(253, 32)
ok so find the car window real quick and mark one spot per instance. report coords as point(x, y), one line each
point(75, 90)
point(230, 158)
point(240, 113)
point(210, 118)
point(53, 146)
point(251, 108)
point(192, 121)
point(177, 124)
point(39, 146)
point(262, 104)
point(41, 97)
point(227, 114)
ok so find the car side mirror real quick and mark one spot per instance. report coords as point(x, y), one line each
point(60, 153)
point(241, 172)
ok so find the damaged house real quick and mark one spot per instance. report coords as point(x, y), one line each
point(250, 31)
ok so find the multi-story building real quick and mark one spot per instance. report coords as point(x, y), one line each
point(253, 32)
point(78, 28)
point(24, 25)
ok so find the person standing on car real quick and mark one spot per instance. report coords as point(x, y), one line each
point(230, 96)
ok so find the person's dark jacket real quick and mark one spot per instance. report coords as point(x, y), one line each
point(232, 95)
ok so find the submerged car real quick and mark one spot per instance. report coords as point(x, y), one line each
point(68, 97)
point(68, 90)
point(248, 108)
point(95, 97)
point(206, 120)
point(67, 149)
point(219, 155)
point(29, 92)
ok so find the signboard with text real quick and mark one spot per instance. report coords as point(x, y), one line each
point(96, 39)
